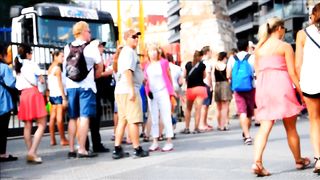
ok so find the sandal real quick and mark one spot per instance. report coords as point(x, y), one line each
point(161, 138)
point(197, 131)
point(259, 170)
point(316, 169)
point(185, 131)
point(303, 163)
point(145, 139)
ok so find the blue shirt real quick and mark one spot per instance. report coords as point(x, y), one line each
point(7, 78)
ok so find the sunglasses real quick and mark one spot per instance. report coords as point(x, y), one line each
point(135, 36)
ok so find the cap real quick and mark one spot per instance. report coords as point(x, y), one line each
point(129, 33)
point(102, 43)
point(251, 44)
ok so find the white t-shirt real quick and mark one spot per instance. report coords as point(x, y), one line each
point(155, 77)
point(241, 56)
point(128, 60)
point(28, 76)
point(176, 73)
point(92, 56)
point(208, 70)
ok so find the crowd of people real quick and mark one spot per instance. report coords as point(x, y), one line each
point(151, 93)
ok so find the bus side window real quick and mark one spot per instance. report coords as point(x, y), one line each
point(27, 31)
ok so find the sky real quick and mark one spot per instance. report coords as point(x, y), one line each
point(130, 7)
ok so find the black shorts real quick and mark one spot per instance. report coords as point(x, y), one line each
point(311, 95)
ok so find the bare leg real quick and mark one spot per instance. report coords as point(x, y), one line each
point(203, 117)
point(72, 129)
point(37, 136)
point(120, 132)
point(134, 134)
point(224, 113)
point(27, 134)
point(313, 106)
point(83, 133)
point(197, 112)
point(245, 124)
point(188, 113)
point(218, 114)
point(60, 124)
point(52, 122)
point(261, 140)
point(115, 122)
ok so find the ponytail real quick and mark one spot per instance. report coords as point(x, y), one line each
point(263, 34)
point(17, 64)
point(23, 50)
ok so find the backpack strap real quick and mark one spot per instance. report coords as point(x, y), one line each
point(246, 57)
point(305, 30)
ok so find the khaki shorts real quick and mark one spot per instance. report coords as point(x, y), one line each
point(129, 111)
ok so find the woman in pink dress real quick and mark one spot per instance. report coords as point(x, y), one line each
point(275, 94)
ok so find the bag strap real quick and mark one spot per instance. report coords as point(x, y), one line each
point(193, 68)
point(246, 57)
point(305, 30)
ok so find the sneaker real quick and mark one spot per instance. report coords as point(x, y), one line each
point(119, 154)
point(139, 152)
point(154, 147)
point(248, 141)
point(167, 147)
point(72, 155)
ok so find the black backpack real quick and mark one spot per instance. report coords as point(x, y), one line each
point(76, 68)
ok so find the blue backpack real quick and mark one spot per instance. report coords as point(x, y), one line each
point(242, 75)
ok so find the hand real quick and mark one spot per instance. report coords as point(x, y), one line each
point(132, 96)
point(64, 103)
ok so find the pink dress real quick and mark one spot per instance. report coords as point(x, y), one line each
point(275, 94)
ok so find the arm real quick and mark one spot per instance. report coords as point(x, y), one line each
point(98, 70)
point(8, 77)
point(213, 79)
point(301, 38)
point(129, 75)
point(256, 64)
point(107, 72)
point(229, 70)
point(289, 56)
point(58, 74)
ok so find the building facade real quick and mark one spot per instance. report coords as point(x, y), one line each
point(246, 16)
point(174, 21)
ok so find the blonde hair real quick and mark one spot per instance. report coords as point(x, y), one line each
point(266, 29)
point(79, 27)
point(154, 46)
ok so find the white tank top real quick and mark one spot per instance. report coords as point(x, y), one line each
point(53, 84)
point(155, 77)
point(310, 70)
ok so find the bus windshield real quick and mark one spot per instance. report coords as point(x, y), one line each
point(59, 32)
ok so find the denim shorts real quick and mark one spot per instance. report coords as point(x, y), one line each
point(208, 100)
point(81, 103)
point(55, 100)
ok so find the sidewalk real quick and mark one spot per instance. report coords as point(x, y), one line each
point(212, 155)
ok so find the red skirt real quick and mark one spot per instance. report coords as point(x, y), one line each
point(32, 105)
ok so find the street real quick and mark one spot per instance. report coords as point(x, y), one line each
point(211, 155)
